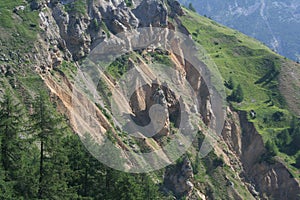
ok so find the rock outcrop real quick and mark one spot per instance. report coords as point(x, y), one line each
point(263, 179)
point(151, 12)
point(273, 180)
point(179, 178)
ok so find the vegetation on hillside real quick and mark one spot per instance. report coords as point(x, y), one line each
point(41, 158)
point(18, 24)
point(250, 72)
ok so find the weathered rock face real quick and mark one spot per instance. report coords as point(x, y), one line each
point(232, 132)
point(119, 18)
point(73, 29)
point(179, 179)
point(175, 8)
point(143, 100)
point(270, 181)
point(274, 180)
point(81, 32)
point(151, 12)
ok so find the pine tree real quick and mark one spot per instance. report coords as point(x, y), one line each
point(297, 164)
point(18, 169)
point(237, 94)
point(10, 133)
point(6, 190)
point(230, 83)
point(53, 163)
point(151, 190)
point(11, 144)
point(271, 148)
point(295, 134)
point(88, 174)
point(191, 7)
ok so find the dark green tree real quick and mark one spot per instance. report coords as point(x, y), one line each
point(6, 188)
point(237, 94)
point(17, 168)
point(88, 174)
point(294, 131)
point(284, 138)
point(230, 83)
point(53, 162)
point(297, 164)
point(191, 7)
point(10, 133)
point(271, 148)
point(151, 190)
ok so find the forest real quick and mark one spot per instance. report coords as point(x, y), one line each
point(41, 158)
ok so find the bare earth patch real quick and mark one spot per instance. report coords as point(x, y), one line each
point(289, 85)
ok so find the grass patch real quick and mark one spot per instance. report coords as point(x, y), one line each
point(77, 7)
point(119, 66)
point(105, 29)
point(18, 28)
point(129, 3)
point(161, 57)
point(69, 69)
point(249, 63)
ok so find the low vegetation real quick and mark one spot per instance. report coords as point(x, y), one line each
point(250, 72)
point(78, 7)
point(18, 25)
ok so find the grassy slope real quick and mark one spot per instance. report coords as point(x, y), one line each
point(19, 29)
point(245, 60)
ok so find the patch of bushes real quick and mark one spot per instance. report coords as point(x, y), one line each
point(297, 163)
point(191, 7)
point(271, 152)
point(230, 83)
point(161, 58)
point(237, 94)
point(288, 140)
point(128, 3)
point(119, 67)
point(105, 29)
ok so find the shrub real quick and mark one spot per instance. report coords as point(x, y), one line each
point(229, 84)
point(277, 116)
point(237, 95)
point(191, 7)
point(271, 148)
point(297, 164)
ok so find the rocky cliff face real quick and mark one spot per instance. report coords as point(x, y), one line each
point(272, 180)
point(264, 179)
point(179, 178)
point(70, 35)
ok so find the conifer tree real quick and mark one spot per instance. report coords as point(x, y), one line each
point(10, 133)
point(237, 94)
point(88, 174)
point(230, 83)
point(53, 163)
point(13, 143)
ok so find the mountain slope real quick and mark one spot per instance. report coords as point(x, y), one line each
point(65, 35)
point(275, 23)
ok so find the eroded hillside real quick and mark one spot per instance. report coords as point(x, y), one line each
point(66, 35)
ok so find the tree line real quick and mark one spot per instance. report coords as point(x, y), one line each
point(40, 158)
